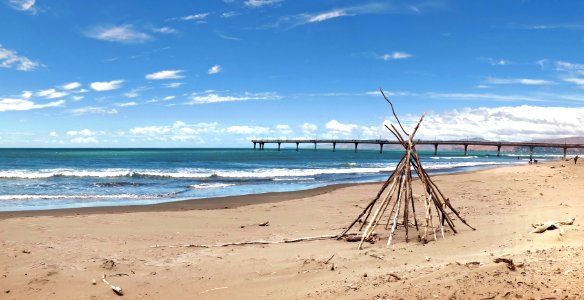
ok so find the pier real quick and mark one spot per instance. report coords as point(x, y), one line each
point(261, 143)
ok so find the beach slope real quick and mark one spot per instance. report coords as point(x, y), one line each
point(58, 254)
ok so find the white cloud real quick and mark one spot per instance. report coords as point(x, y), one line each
point(84, 132)
point(168, 98)
point(246, 130)
point(71, 86)
point(53, 134)
point(121, 34)
point(260, 3)
point(308, 18)
point(77, 98)
point(229, 14)
point(214, 69)
point(166, 74)
point(10, 59)
point(511, 123)
point(172, 85)
point(326, 16)
point(57, 95)
point(396, 55)
point(50, 94)
point(177, 132)
point(308, 128)
point(45, 93)
point(194, 17)
point(24, 5)
point(126, 104)
point(523, 81)
point(94, 110)
point(85, 140)
point(150, 130)
point(575, 80)
point(106, 85)
point(341, 128)
point(212, 97)
point(8, 104)
point(165, 30)
point(284, 129)
point(26, 94)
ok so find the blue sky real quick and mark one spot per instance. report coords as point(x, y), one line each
point(218, 73)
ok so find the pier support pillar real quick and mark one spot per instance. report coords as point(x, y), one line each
point(380, 148)
point(435, 149)
point(297, 146)
point(498, 150)
point(356, 146)
point(465, 149)
point(530, 152)
point(263, 145)
point(565, 152)
point(334, 146)
point(279, 146)
point(254, 146)
point(314, 146)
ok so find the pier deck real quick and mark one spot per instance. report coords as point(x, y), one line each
point(262, 142)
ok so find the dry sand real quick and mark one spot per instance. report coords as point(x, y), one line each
point(57, 254)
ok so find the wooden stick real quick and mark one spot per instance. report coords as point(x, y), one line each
point(116, 289)
point(369, 229)
point(260, 242)
point(392, 110)
point(370, 205)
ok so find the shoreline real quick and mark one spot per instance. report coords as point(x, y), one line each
point(211, 203)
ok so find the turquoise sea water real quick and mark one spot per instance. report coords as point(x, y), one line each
point(60, 178)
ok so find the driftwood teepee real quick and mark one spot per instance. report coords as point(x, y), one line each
point(397, 209)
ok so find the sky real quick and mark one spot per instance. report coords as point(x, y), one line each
point(141, 73)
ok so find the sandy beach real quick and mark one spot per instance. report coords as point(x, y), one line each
point(58, 254)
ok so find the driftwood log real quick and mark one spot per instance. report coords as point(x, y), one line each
point(260, 242)
point(551, 225)
point(116, 289)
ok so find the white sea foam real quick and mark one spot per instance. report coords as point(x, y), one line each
point(211, 185)
point(264, 173)
point(47, 197)
point(453, 157)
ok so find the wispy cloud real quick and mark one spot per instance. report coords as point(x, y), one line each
point(522, 81)
point(8, 104)
point(126, 34)
point(260, 3)
point(172, 85)
point(10, 59)
point(215, 97)
point(575, 80)
point(566, 26)
point(326, 16)
point(229, 14)
point(71, 86)
point(200, 17)
point(24, 5)
point(227, 37)
point(94, 110)
point(308, 18)
point(496, 61)
point(106, 85)
point(214, 69)
point(396, 56)
point(166, 74)
point(164, 30)
point(126, 104)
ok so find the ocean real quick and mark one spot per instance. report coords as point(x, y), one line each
point(33, 179)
